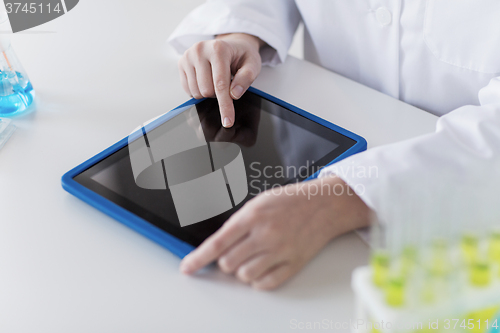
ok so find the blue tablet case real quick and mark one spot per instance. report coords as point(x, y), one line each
point(173, 244)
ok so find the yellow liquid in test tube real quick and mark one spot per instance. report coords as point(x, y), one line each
point(409, 259)
point(494, 247)
point(469, 246)
point(440, 261)
point(480, 273)
point(395, 291)
point(380, 267)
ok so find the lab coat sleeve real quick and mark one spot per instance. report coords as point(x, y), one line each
point(459, 162)
point(273, 21)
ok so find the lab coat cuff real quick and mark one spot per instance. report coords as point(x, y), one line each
point(273, 53)
point(358, 174)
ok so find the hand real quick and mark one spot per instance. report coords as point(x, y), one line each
point(275, 234)
point(207, 66)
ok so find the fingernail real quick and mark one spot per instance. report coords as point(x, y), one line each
point(237, 91)
point(227, 122)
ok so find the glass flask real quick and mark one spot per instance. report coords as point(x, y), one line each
point(16, 91)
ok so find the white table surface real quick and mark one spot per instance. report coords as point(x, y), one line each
point(99, 71)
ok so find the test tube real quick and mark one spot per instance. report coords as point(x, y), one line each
point(397, 223)
point(480, 270)
point(494, 246)
point(379, 257)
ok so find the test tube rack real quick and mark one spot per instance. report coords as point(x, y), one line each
point(445, 288)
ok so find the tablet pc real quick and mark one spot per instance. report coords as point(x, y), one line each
point(179, 177)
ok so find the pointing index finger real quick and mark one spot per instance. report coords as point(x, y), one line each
point(221, 73)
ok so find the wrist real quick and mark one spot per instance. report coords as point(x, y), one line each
point(252, 40)
point(341, 209)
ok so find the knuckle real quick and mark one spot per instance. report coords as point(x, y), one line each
point(248, 74)
point(224, 265)
point(253, 211)
point(207, 91)
point(197, 95)
point(218, 245)
point(221, 85)
point(241, 227)
point(199, 47)
point(249, 220)
point(244, 274)
point(219, 46)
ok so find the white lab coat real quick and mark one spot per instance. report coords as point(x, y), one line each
point(440, 55)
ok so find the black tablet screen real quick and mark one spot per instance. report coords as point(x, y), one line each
point(188, 175)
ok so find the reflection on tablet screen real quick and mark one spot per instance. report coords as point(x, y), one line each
point(188, 175)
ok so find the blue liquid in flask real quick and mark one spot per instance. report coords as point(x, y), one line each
point(16, 93)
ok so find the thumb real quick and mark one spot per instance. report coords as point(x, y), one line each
point(244, 77)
